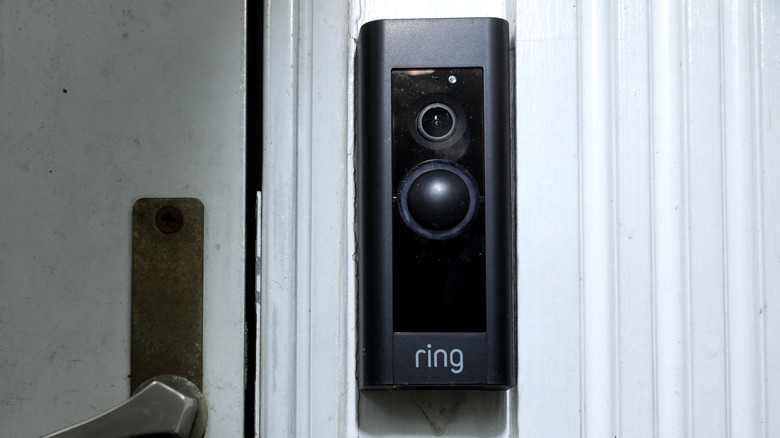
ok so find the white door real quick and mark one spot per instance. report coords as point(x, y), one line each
point(103, 103)
point(648, 234)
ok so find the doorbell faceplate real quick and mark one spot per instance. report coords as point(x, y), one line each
point(434, 205)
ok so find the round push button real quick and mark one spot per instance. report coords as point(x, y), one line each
point(438, 199)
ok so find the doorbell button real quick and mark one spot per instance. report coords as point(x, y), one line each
point(438, 199)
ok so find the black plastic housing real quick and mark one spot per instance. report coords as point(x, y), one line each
point(434, 310)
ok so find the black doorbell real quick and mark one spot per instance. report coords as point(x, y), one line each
point(434, 205)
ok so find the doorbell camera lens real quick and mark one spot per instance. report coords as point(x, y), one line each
point(435, 117)
point(437, 122)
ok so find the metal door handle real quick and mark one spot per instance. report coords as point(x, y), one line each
point(169, 405)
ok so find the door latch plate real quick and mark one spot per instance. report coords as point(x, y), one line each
point(167, 290)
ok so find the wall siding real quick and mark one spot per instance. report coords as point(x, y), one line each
point(647, 224)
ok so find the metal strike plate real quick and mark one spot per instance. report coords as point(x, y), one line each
point(167, 290)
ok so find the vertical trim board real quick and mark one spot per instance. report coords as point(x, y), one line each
point(278, 223)
point(768, 60)
point(706, 227)
point(633, 245)
point(669, 208)
point(548, 273)
point(745, 352)
point(597, 216)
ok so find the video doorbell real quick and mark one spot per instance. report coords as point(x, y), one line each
point(435, 242)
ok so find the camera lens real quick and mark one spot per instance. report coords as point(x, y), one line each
point(436, 122)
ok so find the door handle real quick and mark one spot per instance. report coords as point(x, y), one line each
point(169, 405)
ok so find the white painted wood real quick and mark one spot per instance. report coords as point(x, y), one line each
point(597, 219)
point(350, 394)
point(742, 210)
point(633, 157)
point(304, 252)
point(369, 10)
point(329, 253)
point(258, 310)
point(705, 221)
point(548, 242)
point(278, 223)
point(669, 219)
point(768, 56)
point(647, 228)
point(102, 103)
